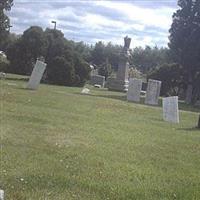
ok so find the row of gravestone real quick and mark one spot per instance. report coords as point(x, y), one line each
point(170, 104)
point(152, 93)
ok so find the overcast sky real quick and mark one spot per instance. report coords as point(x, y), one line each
point(146, 21)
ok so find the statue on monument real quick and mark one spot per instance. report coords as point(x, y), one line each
point(127, 42)
point(120, 83)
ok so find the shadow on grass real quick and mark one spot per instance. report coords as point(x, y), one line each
point(124, 98)
point(183, 106)
point(121, 98)
point(189, 129)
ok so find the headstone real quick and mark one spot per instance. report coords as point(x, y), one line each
point(85, 91)
point(170, 109)
point(120, 83)
point(1, 195)
point(2, 75)
point(134, 89)
point(153, 92)
point(198, 126)
point(97, 86)
point(97, 79)
point(36, 75)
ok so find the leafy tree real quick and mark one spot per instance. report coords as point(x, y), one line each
point(65, 63)
point(98, 54)
point(185, 43)
point(4, 20)
point(17, 57)
point(171, 77)
point(61, 72)
point(105, 69)
point(83, 50)
point(102, 54)
point(24, 52)
point(35, 42)
point(6, 4)
point(75, 54)
point(82, 70)
point(145, 59)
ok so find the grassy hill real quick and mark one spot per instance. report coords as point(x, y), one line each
point(57, 144)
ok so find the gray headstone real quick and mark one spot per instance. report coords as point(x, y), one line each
point(134, 89)
point(36, 75)
point(153, 92)
point(170, 109)
point(97, 79)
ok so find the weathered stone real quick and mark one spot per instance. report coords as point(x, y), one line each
point(2, 75)
point(85, 91)
point(36, 75)
point(153, 92)
point(134, 89)
point(1, 195)
point(170, 109)
point(120, 83)
point(97, 79)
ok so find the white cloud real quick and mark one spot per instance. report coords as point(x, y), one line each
point(160, 17)
point(88, 21)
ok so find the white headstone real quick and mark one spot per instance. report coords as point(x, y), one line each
point(134, 89)
point(153, 92)
point(36, 75)
point(170, 109)
point(2, 75)
point(1, 195)
point(85, 91)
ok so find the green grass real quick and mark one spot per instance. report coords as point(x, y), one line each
point(57, 144)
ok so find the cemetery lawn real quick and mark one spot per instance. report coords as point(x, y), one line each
point(57, 144)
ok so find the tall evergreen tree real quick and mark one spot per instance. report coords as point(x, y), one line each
point(185, 43)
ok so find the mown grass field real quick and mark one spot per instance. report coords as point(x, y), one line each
point(57, 144)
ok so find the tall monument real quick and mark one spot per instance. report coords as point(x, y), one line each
point(120, 83)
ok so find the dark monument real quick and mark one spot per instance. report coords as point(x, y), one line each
point(120, 83)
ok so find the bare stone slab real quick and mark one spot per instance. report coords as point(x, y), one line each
point(98, 79)
point(170, 109)
point(153, 92)
point(36, 75)
point(134, 89)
